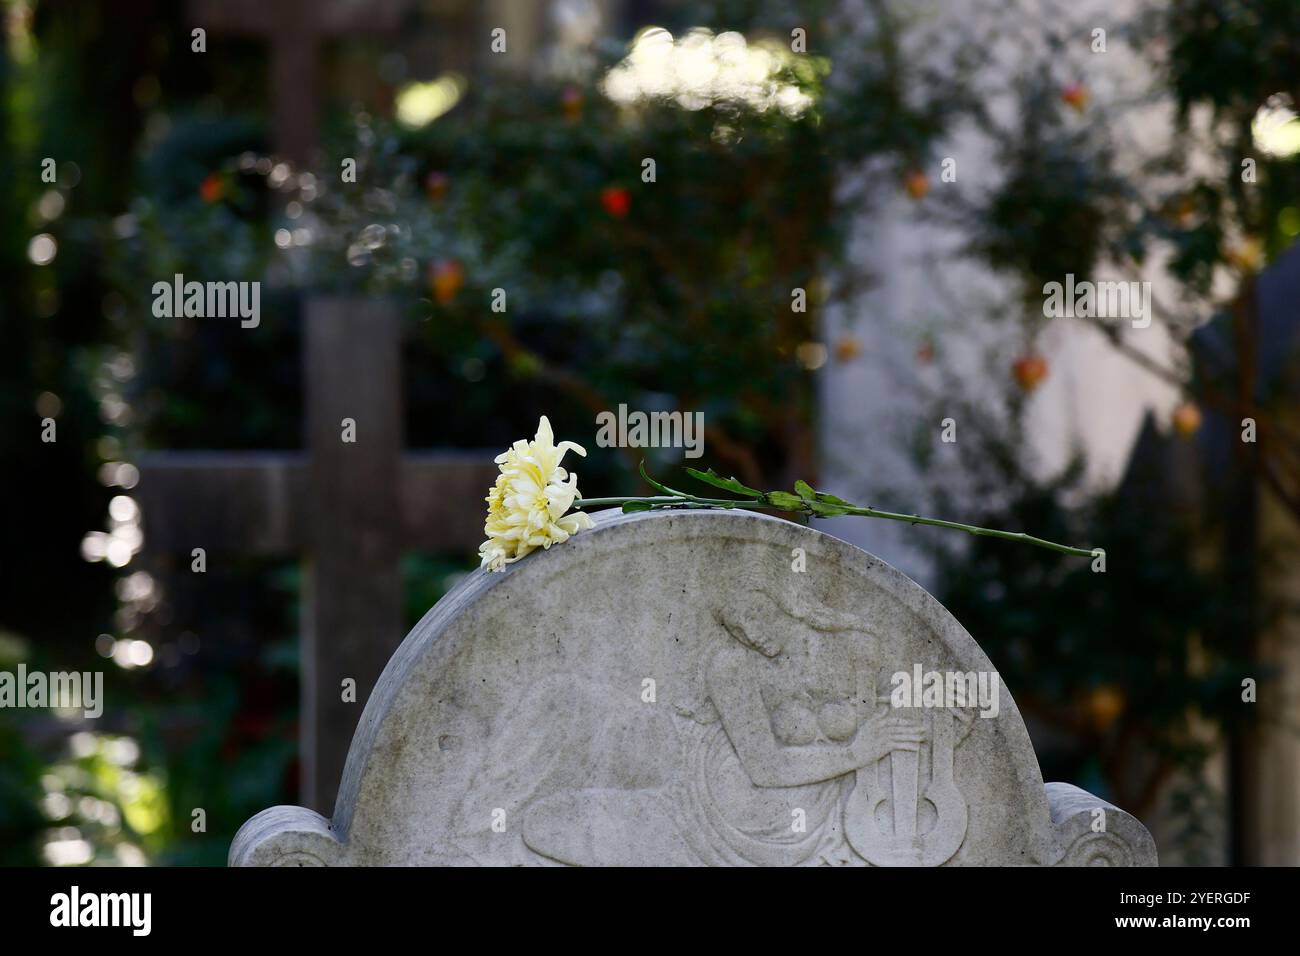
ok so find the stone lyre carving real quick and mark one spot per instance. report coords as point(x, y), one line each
point(895, 817)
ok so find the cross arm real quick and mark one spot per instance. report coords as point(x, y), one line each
point(258, 502)
point(246, 502)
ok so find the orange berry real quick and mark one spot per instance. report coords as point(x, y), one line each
point(1187, 419)
point(917, 184)
point(847, 348)
point(446, 277)
point(1030, 370)
point(1076, 95)
point(1105, 704)
point(212, 189)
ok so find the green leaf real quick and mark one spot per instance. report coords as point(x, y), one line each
point(711, 477)
point(826, 509)
point(784, 501)
point(805, 491)
point(630, 506)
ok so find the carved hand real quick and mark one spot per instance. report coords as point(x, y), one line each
point(884, 733)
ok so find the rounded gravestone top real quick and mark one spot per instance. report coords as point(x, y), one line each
point(695, 687)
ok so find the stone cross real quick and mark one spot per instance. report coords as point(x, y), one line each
point(351, 507)
point(664, 689)
point(294, 29)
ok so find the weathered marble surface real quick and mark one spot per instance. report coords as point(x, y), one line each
point(517, 723)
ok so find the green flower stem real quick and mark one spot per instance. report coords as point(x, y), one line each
point(975, 530)
point(683, 500)
point(678, 500)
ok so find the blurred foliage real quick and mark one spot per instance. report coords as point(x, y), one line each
point(670, 293)
point(1061, 207)
point(1229, 54)
point(101, 808)
point(20, 818)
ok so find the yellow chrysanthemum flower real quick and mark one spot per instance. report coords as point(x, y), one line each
point(527, 504)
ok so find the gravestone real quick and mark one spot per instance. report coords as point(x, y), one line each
point(667, 689)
